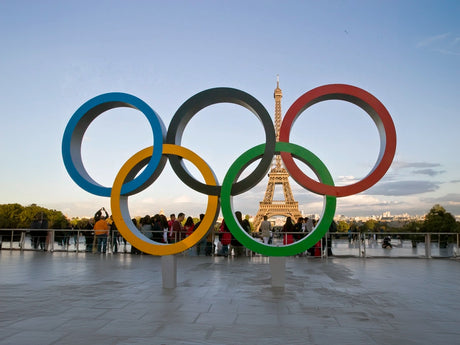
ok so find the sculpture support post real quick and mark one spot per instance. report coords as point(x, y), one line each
point(428, 246)
point(169, 271)
point(278, 270)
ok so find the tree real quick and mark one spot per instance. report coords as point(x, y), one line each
point(57, 220)
point(15, 216)
point(28, 213)
point(247, 217)
point(342, 226)
point(370, 224)
point(413, 226)
point(439, 220)
point(10, 215)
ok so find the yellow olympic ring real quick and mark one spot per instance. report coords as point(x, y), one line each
point(119, 203)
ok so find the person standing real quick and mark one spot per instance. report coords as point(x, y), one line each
point(157, 229)
point(288, 229)
point(298, 229)
point(332, 229)
point(114, 236)
point(189, 226)
point(236, 245)
point(201, 245)
point(226, 238)
point(171, 235)
point(35, 234)
point(101, 230)
point(146, 227)
point(88, 233)
point(309, 224)
point(265, 228)
point(177, 227)
point(165, 227)
point(39, 236)
point(134, 250)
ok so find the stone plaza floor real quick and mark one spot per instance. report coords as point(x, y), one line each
point(69, 298)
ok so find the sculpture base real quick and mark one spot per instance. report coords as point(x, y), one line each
point(169, 271)
point(278, 271)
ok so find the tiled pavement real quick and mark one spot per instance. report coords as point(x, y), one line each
point(68, 298)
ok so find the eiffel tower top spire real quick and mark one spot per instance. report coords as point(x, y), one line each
point(278, 94)
point(278, 175)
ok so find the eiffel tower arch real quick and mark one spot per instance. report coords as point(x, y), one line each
point(278, 175)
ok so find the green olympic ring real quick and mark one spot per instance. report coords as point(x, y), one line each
point(243, 162)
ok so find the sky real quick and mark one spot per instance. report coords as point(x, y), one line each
point(56, 55)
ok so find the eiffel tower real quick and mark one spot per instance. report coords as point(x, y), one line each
point(278, 175)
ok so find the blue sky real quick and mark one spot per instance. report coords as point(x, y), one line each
point(56, 55)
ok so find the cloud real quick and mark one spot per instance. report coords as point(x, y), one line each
point(447, 52)
point(363, 200)
point(429, 41)
point(451, 202)
point(147, 201)
point(406, 165)
point(449, 199)
point(183, 199)
point(454, 181)
point(400, 188)
point(346, 180)
point(421, 168)
point(445, 43)
point(429, 172)
point(366, 206)
point(355, 205)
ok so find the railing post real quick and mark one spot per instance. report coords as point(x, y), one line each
point(359, 244)
point(51, 241)
point(327, 244)
point(110, 242)
point(22, 240)
point(364, 246)
point(321, 248)
point(11, 239)
point(428, 245)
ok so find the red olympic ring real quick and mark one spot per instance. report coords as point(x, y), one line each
point(368, 103)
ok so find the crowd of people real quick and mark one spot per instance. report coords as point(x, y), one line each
point(161, 230)
point(295, 232)
point(101, 234)
point(156, 228)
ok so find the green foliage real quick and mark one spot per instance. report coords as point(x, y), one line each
point(15, 216)
point(439, 220)
point(81, 223)
point(413, 226)
point(57, 220)
point(247, 217)
point(10, 215)
point(370, 225)
point(342, 226)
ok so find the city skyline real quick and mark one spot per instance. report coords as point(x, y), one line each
point(59, 55)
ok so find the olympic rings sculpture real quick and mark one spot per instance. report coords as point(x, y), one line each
point(167, 146)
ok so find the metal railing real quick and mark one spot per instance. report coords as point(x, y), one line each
point(338, 244)
point(402, 244)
